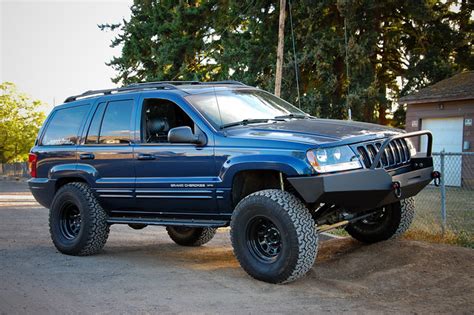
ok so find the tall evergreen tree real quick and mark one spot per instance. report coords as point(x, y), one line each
point(394, 47)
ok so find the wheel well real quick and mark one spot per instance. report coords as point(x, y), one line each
point(66, 180)
point(247, 182)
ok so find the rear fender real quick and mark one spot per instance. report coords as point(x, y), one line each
point(85, 172)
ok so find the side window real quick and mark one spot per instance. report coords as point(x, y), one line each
point(64, 126)
point(115, 127)
point(158, 117)
point(94, 129)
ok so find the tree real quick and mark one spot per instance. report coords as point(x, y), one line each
point(20, 120)
point(394, 47)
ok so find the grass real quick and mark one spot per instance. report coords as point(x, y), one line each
point(459, 238)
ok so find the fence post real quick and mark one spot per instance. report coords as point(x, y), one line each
point(443, 192)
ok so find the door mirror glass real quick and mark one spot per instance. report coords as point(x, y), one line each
point(184, 134)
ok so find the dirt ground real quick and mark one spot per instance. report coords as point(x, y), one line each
point(143, 271)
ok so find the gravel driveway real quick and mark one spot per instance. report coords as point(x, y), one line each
point(143, 271)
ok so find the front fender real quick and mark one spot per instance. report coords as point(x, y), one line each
point(288, 165)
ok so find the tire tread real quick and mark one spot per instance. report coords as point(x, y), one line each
point(97, 235)
point(302, 222)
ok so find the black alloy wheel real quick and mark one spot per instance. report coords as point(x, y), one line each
point(263, 239)
point(70, 221)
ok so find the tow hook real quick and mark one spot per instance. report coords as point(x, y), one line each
point(436, 176)
point(397, 189)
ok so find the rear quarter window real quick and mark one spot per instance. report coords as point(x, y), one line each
point(63, 128)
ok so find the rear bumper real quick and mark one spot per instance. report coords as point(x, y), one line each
point(42, 190)
point(367, 188)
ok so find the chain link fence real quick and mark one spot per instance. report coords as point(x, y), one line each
point(444, 212)
point(447, 211)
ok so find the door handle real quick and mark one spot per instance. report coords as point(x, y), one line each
point(86, 156)
point(144, 156)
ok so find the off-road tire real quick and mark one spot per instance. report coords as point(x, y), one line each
point(93, 231)
point(399, 217)
point(296, 227)
point(187, 236)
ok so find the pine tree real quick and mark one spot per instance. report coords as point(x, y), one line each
point(394, 47)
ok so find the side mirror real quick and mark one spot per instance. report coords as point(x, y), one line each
point(185, 135)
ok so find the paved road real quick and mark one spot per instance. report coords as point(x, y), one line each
point(143, 271)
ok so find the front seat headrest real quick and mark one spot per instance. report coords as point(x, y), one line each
point(158, 125)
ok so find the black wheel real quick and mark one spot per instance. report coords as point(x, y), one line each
point(190, 236)
point(77, 223)
point(274, 236)
point(390, 221)
point(137, 226)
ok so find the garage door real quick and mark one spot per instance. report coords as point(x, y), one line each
point(447, 136)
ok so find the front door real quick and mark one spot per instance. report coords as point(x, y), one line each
point(173, 180)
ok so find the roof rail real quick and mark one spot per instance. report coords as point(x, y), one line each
point(188, 83)
point(172, 85)
point(122, 89)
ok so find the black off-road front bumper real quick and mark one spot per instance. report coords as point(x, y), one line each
point(372, 187)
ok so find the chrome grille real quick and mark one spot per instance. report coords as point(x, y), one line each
point(395, 154)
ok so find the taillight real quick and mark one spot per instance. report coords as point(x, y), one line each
point(32, 159)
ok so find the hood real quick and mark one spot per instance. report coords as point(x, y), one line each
point(314, 131)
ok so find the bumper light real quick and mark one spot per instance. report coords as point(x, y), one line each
point(333, 159)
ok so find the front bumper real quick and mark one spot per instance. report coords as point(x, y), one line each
point(367, 188)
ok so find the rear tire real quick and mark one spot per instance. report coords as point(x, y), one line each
point(393, 220)
point(77, 223)
point(188, 236)
point(274, 236)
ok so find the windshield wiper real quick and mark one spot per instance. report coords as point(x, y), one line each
point(296, 116)
point(245, 122)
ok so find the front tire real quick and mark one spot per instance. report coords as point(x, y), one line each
point(274, 236)
point(391, 221)
point(189, 236)
point(77, 222)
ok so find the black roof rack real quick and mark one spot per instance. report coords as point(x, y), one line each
point(233, 82)
point(172, 85)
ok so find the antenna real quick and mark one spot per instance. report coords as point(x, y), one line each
point(217, 103)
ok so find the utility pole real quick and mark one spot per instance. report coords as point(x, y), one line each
point(281, 43)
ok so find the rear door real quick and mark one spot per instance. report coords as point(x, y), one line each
point(107, 150)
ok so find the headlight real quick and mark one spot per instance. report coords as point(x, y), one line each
point(411, 147)
point(333, 159)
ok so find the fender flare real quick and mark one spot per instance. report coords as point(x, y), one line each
point(85, 172)
point(288, 165)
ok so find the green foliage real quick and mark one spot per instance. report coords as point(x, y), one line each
point(20, 120)
point(394, 47)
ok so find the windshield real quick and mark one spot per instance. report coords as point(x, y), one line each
point(227, 107)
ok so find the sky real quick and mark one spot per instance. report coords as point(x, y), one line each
point(53, 49)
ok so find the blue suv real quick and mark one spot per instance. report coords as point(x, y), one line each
point(196, 156)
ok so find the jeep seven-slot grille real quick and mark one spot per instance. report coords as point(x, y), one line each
point(395, 154)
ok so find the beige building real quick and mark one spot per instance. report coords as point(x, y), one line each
point(447, 110)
